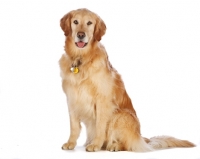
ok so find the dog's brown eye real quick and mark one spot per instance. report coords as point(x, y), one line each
point(89, 23)
point(75, 22)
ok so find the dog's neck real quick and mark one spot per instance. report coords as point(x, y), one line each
point(76, 62)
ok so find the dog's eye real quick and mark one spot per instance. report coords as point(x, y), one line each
point(76, 22)
point(89, 23)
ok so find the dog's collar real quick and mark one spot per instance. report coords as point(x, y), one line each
point(74, 67)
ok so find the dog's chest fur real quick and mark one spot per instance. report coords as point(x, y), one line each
point(84, 89)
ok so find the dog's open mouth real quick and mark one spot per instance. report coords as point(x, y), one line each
point(81, 44)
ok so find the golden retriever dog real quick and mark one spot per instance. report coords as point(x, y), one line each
point(95, 92)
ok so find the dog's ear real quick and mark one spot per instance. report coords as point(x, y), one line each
point(65, 23)
point(100, 29)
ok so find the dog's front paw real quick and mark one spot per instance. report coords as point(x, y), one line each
point(114, 148)
point(69, 146)
point(92, 148)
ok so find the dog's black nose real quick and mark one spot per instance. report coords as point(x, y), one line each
point(80, 35)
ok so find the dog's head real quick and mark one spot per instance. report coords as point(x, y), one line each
point(83, 26)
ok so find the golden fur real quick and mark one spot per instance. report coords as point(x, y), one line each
point(96, 94)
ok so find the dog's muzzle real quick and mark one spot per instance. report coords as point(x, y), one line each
point(81, 36)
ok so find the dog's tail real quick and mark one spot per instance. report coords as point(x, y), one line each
point(164, 142)
point(158, 143)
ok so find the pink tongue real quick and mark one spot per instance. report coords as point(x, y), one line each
point(81, 44)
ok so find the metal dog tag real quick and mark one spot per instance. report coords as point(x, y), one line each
point(74, 69)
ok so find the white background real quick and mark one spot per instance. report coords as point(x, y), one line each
point(154, 45)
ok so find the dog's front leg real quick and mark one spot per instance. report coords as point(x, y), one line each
point(103, 113)
point(75, 129)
